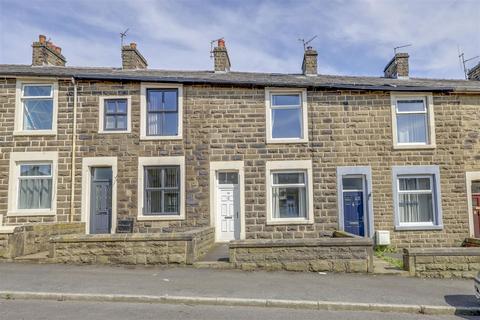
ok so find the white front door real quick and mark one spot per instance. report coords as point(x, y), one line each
point(228, 206)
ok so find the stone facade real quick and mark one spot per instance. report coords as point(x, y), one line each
point(442, 262)
point(141, 249)
point(227, 123)
point(324, 254)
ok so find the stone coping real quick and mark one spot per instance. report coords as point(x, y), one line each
point(7, 229)
point(454, 251)
point(125, 237)
point(320, 242)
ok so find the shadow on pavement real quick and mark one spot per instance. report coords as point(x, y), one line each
point(463, 300)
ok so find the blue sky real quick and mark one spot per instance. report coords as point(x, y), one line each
point(354, 37)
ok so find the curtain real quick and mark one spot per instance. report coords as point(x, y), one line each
point(35, 194)
point(416, 208)
point(411, 128)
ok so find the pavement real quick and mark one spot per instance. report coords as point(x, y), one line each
point(329, 291)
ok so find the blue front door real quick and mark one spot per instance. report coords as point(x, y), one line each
point(353, 212)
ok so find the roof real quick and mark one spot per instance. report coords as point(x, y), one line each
point(245, 78)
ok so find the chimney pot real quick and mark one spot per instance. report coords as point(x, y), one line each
point(46, 53)
point(397, 67)
point(133, 45)
point(221, 61)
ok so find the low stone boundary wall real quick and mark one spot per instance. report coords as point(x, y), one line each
point(442, 262)
point(135, 248)
point(33, 238)
point(342, 254)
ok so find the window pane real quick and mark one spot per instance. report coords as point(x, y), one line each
point(154, 100)
point(288, 178)
point(285, 100)
point(416, 208)
point(37, 91)
point(153, 201)
point(170, 126)
point(27, 170)
point(122, 106)
point(102, 173)
point(110, 122)
point(228, 178)
point(411, 128)
point(410, 105)
point(414, 184)
point(286, 123)
point(110, 106)
point(154, 177)
point(35, 194)
point(171, 202)
point(37, 114)
point(475, 186)
point(352, 183)
point(289, 202)
point(170, 100)
point(121, 123)
point(171, 177)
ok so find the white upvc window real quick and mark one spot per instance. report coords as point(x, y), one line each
point(32, 184)
point(161, 111)
point(286, 115)
point(417, 198)
point(161, 188)
point(115, 114)
point(416, 201)
point(289, 192)
point(36, 107)
point(413, 121)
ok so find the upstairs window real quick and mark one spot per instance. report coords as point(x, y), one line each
point(413, 122)
point(162, 112)
point(286, 116)
point(116, 115)
point(35, 108)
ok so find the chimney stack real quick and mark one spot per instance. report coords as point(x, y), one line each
point(397, 67)
point(474, 73)
point(132, 58)
point(45, 53)
point(220, 57)
point(309, 65)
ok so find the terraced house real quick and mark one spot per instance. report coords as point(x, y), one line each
point(240, 156)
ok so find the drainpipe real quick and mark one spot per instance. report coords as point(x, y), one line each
point(74, 144)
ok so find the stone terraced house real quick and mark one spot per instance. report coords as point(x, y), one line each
point(248, 155)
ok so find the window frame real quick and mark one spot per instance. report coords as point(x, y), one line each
point(269, 93)
point(289, 166)
point(102, 114)
point(21, 158)
point(427, 97)
point(162, 189)
point(432, 172)
point(19, 106)
point(143, 110)
point(160, 162)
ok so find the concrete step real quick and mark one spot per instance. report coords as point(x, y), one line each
point(40, 257)
point(383, 267)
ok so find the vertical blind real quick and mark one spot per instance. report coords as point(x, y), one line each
point(162, 112)
point(35, 186)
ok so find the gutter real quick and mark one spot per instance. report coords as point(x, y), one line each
point(74, 144)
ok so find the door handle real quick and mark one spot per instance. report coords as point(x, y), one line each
point(237, 214)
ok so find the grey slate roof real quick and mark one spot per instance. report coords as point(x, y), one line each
point(245, 78)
